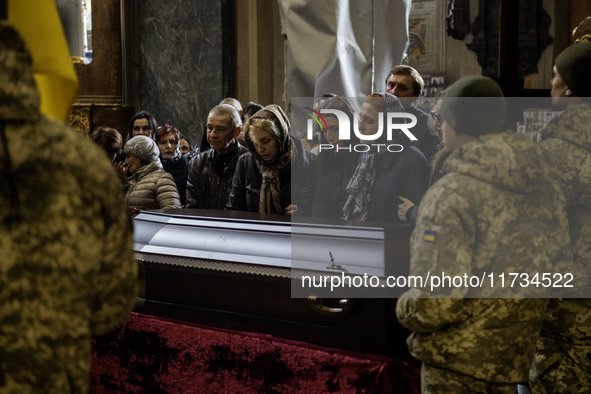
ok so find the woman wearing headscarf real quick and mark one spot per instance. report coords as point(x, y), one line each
point(149, 187)
point(173, 161)
point(335, 166)
point(381, 176)
point(263, 177)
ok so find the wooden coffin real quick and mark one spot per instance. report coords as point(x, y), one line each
point(234, 270)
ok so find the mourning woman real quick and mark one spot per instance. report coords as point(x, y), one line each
point(142, 123)
point(109, 139)
point(149, 186)
point(185, 145)
point(262, 179)
point(335, 163)
point(173, 162)
point(382, 175)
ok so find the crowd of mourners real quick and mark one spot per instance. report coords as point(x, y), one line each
point(486, 196)
point(249, 160)
point(481, 200)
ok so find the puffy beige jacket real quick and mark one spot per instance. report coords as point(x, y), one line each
point(152, 188)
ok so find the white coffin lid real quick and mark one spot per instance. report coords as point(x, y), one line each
point(268, 244)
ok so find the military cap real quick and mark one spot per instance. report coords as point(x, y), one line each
point(573, 65)
point(470, 116)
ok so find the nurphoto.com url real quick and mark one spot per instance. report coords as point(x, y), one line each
point(439, 281)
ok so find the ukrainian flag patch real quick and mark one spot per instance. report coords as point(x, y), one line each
point(429, 236)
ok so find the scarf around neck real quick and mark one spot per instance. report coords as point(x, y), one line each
point(361, 184)
point(270, 197)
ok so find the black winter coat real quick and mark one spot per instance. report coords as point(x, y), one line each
point(403, 174)
point(205, 188)
point(247, 182)
point(178, 167)
point(329, 182)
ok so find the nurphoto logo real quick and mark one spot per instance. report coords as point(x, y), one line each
point(345, 130)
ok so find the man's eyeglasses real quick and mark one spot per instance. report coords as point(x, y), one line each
point(435, 115)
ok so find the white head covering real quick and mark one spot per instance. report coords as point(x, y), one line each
point(143, 148)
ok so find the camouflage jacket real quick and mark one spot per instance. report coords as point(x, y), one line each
point(67, 270)
point(493, 211)
point(566, 148)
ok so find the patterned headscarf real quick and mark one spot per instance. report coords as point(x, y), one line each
point(361, 184)
point(143, 148)
point(270, 197)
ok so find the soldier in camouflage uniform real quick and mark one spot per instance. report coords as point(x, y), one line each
point(67, 270)
point(563, 360)
point(492, 211)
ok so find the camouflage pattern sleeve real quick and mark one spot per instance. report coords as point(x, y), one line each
point(493, 212)
point(66, 264)
point(117, 278)
point(98, 203)
point(442, 241)
point(562, 170)
point(562, 361)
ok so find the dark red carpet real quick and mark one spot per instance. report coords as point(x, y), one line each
point(153, 355)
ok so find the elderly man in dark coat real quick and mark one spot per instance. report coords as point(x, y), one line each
point(211, 172)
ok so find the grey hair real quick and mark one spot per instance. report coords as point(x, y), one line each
point(233, 102)
point(227, 110)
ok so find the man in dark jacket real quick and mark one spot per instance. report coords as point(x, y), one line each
point(407, 84)
point(211, 172)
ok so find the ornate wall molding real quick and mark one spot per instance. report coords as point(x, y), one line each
point(79, 118)
point(426, 51)
point(534, 26)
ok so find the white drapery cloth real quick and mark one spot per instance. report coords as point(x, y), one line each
point(346, 47)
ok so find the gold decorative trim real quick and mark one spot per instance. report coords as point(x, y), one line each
point(585, 38)
point(79, 119)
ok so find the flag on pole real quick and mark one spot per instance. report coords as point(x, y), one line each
point(39, 24)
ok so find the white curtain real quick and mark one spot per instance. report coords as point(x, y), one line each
point(346, 47)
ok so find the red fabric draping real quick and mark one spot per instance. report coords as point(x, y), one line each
point(149, 354)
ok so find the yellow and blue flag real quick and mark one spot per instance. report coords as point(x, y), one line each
point(430, 236)
point(39, 25)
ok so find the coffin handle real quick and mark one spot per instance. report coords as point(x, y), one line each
point(318, 305)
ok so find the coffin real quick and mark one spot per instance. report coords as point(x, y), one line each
point(244, 271)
